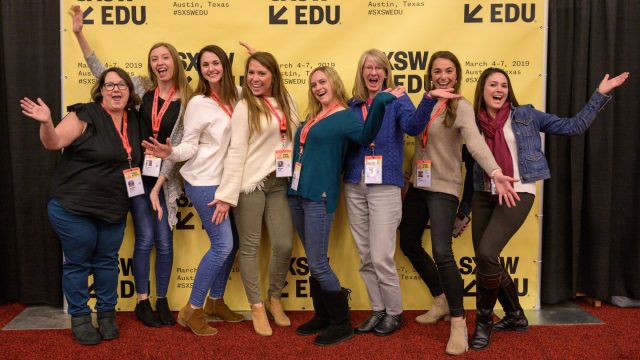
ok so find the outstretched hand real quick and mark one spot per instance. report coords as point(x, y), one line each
point(505, 189)
point(77, 18)
point(157, 149)
point(399, 91)
point(444, 93)
point(221, 212)
point(39, 111)
point(608, 84)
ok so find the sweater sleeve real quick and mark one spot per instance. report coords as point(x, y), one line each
point(365, 133)
point(465, 121)
point(231, 183)
point(97, 68)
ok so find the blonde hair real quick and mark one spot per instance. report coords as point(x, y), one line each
point(452, 104)
point(179, 78)
point(360, 90)
point(339, 92)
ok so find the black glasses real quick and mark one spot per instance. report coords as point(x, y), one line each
point(111, 86)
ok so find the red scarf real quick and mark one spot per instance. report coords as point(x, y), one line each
point(493, 130)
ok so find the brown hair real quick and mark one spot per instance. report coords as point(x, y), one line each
point(478, 98)
point(228, 93)
point(96, 94)
point(452, 104)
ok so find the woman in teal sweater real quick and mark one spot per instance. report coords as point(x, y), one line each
point(319, 150)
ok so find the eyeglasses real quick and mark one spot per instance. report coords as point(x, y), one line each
point(111, 86)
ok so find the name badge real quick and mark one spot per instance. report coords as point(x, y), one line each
point(423, 173)
point(284, 159)
point(133, 181)
point(296, 176)
point(373, 169)
point(151, 166)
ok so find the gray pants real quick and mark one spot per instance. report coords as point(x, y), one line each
point(269, 204)
point(374, 215)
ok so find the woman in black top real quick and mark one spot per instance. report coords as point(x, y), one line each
point(89, 194)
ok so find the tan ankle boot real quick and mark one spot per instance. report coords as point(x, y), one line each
point(457, 344)
point(217, 310)
point(439, 310)
point(260, 321)
point(194, 319)
point(276, 310)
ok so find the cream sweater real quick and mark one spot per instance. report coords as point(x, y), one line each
point(444, 149)
point(251, 159)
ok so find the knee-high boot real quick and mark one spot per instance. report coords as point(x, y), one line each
point(320, 320)
point(340, 328)
point(486, 295)
point(514, 319)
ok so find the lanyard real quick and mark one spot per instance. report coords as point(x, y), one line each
point(156, 117)
point(365, 110)
point(282, 120)
point(309, 124)
point(228, 109)
point(123, 135)
point(425, 134)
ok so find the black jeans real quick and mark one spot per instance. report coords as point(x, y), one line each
point(493, 225)
point(419, 206)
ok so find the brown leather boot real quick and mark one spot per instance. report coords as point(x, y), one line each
point(457, 344)
point(274, 306)
point(260, 320)
point(439, 310)
point(194, 319)
point(217, 310)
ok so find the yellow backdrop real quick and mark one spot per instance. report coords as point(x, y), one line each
point(303, 35)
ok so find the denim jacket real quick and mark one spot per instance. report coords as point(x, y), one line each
point(527, 124)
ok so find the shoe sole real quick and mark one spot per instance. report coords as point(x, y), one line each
point(343, 339)
point(519, 329)
point(185, 325)
point(210, 318)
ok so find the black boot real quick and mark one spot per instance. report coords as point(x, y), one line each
point(320, 320)
point(514, 319)
point(486, 296)
point(83, 331)
point(372, 321)
point(164, 313)
point(340, 329)
point(145, 314)
point(107, 325)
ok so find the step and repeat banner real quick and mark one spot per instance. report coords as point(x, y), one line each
point(303, 35)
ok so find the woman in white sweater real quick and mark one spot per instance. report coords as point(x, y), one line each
point(254, 182)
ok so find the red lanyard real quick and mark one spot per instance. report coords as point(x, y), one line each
point(309, 124)
point(282, 120)
point(364, 118)
point(228, 109)
point(156, 117)
point(123, 135)
point(425, 133)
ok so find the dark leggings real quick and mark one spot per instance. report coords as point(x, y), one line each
point(419, 206)
point(493, 225)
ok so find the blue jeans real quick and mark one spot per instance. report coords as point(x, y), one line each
point(90, 246)
point(210, 274)
point(313, 224)
point(149, 231)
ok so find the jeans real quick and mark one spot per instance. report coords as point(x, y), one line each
point(211, 268)
point(90, 246)
point(149, 231)
point(313, 224)
point(420, 206)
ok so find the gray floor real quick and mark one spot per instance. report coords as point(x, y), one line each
point(564, 313)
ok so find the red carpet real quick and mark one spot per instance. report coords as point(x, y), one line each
point(618, 338)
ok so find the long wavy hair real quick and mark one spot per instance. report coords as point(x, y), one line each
point(179, 77)
point(452, 104)
point(478, 97)
point(360, 90)
point(255, 105)
point(339, 92)
point(228, 93)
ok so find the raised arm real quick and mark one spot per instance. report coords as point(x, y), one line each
point(53, 138)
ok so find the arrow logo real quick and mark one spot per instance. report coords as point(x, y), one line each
point(275, 17)
point(470, 15)
point(86, 13)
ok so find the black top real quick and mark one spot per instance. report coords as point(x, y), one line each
point(89, 180)
point(168, 120)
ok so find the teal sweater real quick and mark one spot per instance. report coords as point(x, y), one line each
point(326, 148)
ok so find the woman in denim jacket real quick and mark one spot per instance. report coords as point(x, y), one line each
point(513, 135)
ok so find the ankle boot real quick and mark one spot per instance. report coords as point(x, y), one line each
point(320, 320)
point(274, 306)
point(145, 314)
point(83, 331)
point(388, 325)
point(260, 321)
point(194, 319)
point(164, 313)
point(372, 321)
point(217, 310)
point(486, 295)
point(107, 325)
point(439, 310)
point(340, 329)
point(514, 319)
point(457, 344)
